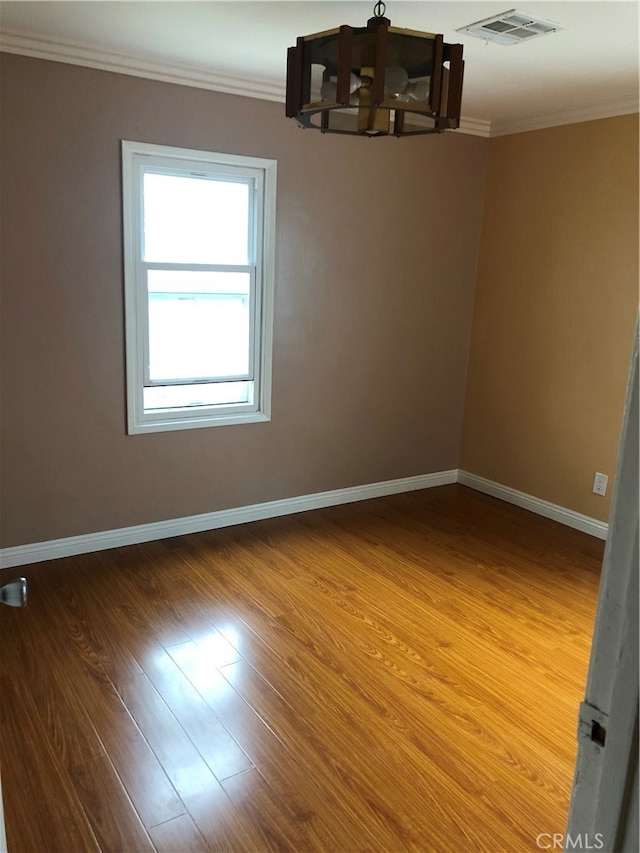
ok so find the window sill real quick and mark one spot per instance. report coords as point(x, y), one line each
point(177, 423)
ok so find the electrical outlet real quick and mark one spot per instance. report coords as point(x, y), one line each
point(600, 484)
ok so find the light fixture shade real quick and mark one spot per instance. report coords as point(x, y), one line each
point(375, 81)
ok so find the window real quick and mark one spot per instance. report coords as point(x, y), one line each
point(199, 275)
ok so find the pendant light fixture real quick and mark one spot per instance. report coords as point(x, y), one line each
point(376, 80)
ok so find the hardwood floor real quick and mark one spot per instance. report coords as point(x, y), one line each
point(398, 674)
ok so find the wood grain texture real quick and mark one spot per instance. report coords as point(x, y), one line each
point(398, 674)
point(180, 834)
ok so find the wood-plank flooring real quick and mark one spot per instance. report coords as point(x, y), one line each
point(398, 674)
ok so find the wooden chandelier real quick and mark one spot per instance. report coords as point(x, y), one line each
point(376, 80)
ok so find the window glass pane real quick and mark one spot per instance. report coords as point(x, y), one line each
point(187, 396)
point(195, 220)
point(199, 325)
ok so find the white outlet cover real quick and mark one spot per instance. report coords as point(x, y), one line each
point(600, 484)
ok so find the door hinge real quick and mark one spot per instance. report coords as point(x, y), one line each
point(592, 724)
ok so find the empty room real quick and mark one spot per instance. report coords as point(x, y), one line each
point(319, 426)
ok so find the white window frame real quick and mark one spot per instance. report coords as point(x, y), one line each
point(136, 158)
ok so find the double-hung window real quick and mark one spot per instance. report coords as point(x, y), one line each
point(199, 275)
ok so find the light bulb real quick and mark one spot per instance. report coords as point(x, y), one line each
point(418, 91)
point(395, 79)
point(328, 90)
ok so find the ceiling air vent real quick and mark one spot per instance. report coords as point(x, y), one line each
point(510, 27)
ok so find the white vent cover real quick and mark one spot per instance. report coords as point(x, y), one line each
point(510, 27)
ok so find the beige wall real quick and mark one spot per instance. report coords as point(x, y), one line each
point(376, 257)
point(555, 308)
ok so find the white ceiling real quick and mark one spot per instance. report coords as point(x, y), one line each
point(588, 70)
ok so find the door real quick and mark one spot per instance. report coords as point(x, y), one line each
point(604, 802)
point(14, 594)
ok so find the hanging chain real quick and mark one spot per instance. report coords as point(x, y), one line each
point(379, 9)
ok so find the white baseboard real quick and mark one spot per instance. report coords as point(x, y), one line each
point(53, 549)
point(558, 513)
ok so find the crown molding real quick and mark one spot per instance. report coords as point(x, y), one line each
point(475, 127)
point(622, 105)
point(90, 56)
point(76, 53)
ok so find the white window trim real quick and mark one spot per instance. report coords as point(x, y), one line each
point(139, 421)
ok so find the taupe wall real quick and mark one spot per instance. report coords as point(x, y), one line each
point(376, 257)
point(555, 309)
